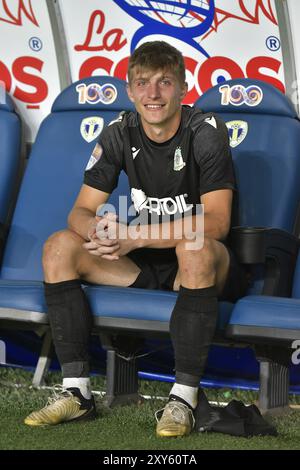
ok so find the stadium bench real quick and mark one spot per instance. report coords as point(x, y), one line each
point(267, 169)
point(265, 136)
point(124, 316)
point(272, 325)
point(49, 188)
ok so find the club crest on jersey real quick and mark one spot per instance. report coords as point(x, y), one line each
point(178, 160)
point(237, 132)
point(91, 128)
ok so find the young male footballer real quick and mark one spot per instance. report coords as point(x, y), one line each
point(176, 158)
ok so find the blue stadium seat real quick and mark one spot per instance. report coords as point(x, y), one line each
point(49, 188)
point(264, 132)
point(264, 136)
point(10, 160)
point(268, 319)
point(272, 325)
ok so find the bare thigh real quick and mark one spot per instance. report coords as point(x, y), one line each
point(121, 272)
point(65, 258)
point(222, 267)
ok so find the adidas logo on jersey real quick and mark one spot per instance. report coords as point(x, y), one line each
point(163, 206)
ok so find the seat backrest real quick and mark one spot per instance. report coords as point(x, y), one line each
point(10, 154)
point(55, 169)
point(264, 132)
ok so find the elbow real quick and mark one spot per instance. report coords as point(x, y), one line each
point(222, 229)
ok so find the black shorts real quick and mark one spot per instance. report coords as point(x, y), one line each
point(161, 266)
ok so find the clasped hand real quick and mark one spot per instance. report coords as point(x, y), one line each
point(109, 238)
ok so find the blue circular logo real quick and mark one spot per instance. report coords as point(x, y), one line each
point(35, 44)
point(182, 20)
point(273, 43)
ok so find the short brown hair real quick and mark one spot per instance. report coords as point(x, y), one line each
point(156, 55)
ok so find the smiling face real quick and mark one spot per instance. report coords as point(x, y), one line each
point(157, 96)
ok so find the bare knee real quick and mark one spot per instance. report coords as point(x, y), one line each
point(59, 249)
point(197, 266)
point(206, 254)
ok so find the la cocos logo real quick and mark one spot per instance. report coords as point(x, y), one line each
point(183, 21)
point(32, 88)
point(201, 77)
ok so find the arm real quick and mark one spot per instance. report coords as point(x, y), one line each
point(82, 216)
point(217, 214)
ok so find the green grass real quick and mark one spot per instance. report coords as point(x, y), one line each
point(124, 428)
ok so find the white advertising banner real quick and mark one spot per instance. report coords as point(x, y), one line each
point(28, 65)
point(220, 39)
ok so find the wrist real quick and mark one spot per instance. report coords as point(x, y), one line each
point(141, 242)
point(137, 237)
point(91, 227)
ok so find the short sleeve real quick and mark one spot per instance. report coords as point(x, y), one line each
point(213, 155)
point(106, 162)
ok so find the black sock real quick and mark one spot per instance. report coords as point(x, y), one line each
point(192, 328)
point(71, 322)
